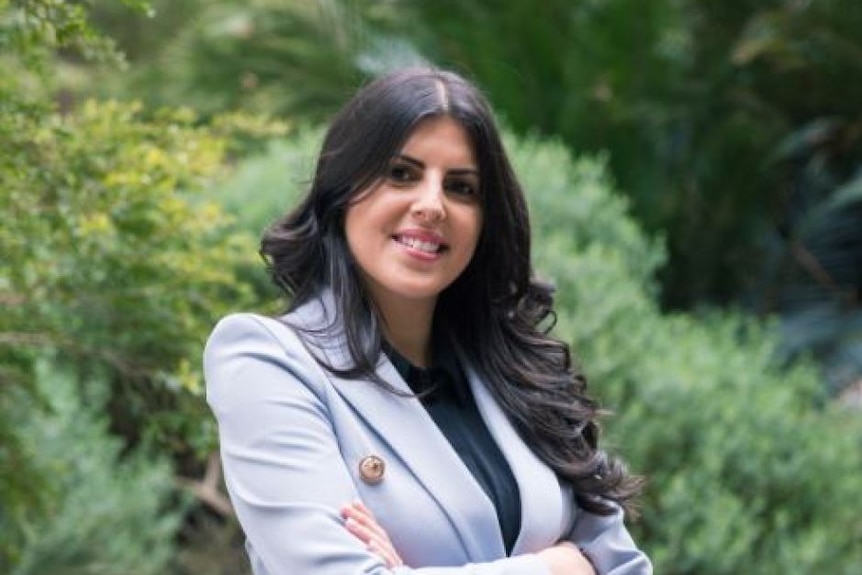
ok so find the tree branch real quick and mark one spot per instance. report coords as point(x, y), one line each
point(207, 489)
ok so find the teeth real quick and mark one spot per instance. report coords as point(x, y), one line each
point(420, 245)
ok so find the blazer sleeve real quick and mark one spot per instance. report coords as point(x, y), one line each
point(282, 465)
point(607, 544)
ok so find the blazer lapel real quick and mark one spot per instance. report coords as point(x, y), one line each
point(411, 434)
point(542, 499)
point(404, 425)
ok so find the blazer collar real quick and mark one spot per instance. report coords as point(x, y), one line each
point(405, 426)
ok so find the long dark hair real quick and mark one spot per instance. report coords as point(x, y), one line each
point(498, 312)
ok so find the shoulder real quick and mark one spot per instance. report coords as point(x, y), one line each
point(241, 332)
point(250, 324)
point(302, 327)
point(300, 342)
point(250, 356)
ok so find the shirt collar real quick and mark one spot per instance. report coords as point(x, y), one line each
point(443, 376)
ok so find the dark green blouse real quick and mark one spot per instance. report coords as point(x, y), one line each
point(445, 393)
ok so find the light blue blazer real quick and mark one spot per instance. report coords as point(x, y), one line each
point(292, 436)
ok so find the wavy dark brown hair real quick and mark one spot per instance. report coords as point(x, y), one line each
point(497, 311)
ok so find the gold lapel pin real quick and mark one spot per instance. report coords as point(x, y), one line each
point(371, 469)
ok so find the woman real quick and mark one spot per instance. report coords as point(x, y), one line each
point(409, 413)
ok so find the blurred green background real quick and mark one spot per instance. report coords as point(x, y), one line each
point(694, 170)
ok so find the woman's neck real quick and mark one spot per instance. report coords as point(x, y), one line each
point(407, 328)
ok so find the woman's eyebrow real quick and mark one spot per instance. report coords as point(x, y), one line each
point(410, 160)
point(421, 164)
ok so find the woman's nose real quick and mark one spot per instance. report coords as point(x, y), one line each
point(428, 205)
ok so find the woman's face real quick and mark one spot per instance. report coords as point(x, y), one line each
point(414, 231)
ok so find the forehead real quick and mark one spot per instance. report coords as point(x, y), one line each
point(442, 139)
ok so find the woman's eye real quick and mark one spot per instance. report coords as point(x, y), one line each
point(400, 174)
point(462, 188)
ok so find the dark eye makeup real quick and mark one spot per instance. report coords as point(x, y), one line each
point(460, 183)
point(461, 187)
point(401, 173)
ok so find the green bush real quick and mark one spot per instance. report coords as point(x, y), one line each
point(262, 187)
point(115, 266)
point(115, 256)
point(115, 259)
point(746, 469)
point(109, 513)
point(750, 470)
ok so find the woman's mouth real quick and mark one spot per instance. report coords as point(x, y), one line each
point(425, 245)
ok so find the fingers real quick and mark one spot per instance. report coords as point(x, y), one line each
point(566, 558)
point(360, 521)
point(361, 515)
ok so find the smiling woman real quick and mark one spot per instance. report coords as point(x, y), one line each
point(413, 232)
point(408, 414)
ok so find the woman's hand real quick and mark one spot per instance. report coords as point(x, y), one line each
point(565, 558)
point(359, 520)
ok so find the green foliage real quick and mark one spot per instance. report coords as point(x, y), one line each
point(37, 27)
point(114, 259)
point(292, 58)
point(813, 270)
point(749, 471)
point(275, 179)
point(114, 265)
point(567, 191)
point(108, 512)
point(34, 30)
point(114, 255)
point(272, 57)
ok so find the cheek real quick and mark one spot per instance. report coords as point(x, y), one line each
point(364, 225)
point(357, 222)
